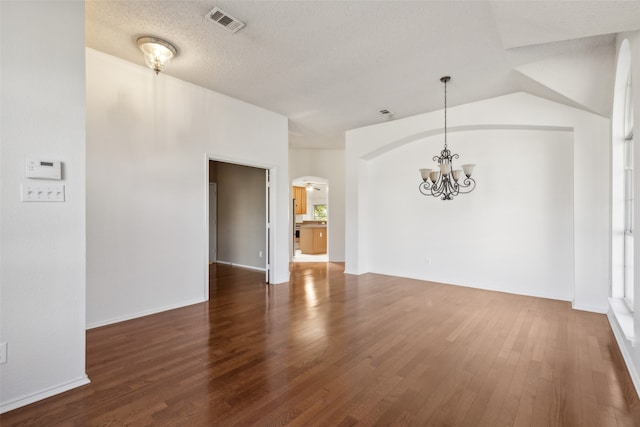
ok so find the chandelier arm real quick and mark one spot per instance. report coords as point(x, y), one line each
point(446, 188)
point(436, 188)
point(453, 188)
point(425, 188)
point(467, 186)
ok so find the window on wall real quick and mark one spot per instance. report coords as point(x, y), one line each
point(628, 196)
point(320, 212)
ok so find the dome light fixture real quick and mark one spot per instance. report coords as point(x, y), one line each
point(157, 52)
point(445, 182)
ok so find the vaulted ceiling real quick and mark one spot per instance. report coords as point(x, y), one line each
point(330, 66)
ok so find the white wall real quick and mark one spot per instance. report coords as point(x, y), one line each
point(241, 215)
point(514, 233)
point(590, 180)
point(327, 164)
point(149, 139)
point(42, 272)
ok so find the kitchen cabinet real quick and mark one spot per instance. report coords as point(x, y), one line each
point(313, 240)
point(300, 195)
point(319, 240)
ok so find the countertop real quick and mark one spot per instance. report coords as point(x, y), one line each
point(311, 225)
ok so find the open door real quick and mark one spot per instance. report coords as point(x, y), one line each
point(267, 268)
point(213, 221)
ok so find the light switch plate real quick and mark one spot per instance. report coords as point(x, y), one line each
point(42, 192)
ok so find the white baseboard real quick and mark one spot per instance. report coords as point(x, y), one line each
point(622, 345)
point(233, 264)
point(600, 310)
point(142, 313)
point(52, 391)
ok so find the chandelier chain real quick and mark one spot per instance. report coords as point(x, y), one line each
point(445, 114)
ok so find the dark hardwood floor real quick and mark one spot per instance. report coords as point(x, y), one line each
point(330, 349)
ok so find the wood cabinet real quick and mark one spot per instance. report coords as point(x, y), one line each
point(300, 196)
point(319, 240)
point(313, 240)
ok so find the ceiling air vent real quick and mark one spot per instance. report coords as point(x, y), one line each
point(225, 20)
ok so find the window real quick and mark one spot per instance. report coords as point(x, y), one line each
point(628, 196)
point(320, 212)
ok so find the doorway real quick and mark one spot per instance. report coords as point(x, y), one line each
point(238, 216)
point(310, 219)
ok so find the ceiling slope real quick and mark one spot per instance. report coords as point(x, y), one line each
point(585, 77)
point(330, 66)
point(525, 23)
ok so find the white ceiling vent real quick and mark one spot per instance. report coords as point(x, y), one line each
point(225, 20)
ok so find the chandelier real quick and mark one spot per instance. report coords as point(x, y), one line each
point(445, 182)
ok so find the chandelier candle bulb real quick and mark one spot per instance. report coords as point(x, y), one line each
point(468, 169)
point(425, 174)
point(445, 168)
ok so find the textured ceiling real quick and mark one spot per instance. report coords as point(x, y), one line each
point(330, 66)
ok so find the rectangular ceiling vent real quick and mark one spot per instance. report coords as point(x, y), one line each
point(225, 20)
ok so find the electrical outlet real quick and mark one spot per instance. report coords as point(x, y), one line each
point(260, 254)
point(3, 353)
point(428, 260)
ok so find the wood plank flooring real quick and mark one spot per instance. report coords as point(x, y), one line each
point(330, 349)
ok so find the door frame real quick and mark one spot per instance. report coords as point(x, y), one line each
point(270, 215)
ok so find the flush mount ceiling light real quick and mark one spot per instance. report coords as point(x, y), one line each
point(446, 182)
point(157, 52)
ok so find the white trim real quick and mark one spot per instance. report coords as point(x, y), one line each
point(232, 264)
point(274, 270)
point(144, 313)
point(591, 309)
point(628, 359)
point(624, 318)
point(205, 282)
point(48, 392)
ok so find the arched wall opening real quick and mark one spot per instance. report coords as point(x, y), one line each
point(489, 123)
point(310, 228)
point(514, 233)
